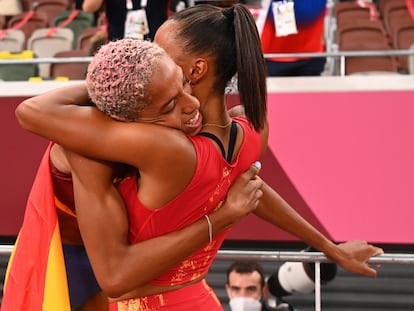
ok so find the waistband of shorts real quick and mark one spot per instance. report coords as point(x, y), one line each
point(172, 297)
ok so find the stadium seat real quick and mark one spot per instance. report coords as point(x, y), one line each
point(395, 12)
point(45, 44)
point(51, 8)
point(360, 32)
point(84, 40)
point(365, 36)
point(346, 12)
point(13, 40)
point(73, 71)
point(37, 20)
point(76, 20)
point(403, 38)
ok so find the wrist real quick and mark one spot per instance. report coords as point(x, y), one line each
point(218, 222)
point(334, 252)
point(210, 228)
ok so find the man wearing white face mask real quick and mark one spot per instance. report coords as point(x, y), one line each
point(247, 289)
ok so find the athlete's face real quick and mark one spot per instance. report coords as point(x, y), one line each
point(176, 50)
point(170, 101)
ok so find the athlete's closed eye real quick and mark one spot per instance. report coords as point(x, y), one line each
point(168, 108)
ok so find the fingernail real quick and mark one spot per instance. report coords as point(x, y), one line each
point(257, 164)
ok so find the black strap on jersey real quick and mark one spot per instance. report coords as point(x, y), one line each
point(232, 142)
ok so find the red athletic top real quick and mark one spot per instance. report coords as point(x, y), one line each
point(63, 188)
point(212, 179)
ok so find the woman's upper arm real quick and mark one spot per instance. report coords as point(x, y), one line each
point(91, 6)
point(61, 116)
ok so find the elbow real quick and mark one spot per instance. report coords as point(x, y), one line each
point(112, 287)
point(25, 113)
point(115, 284)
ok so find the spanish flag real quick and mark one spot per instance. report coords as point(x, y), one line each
point(36, 276)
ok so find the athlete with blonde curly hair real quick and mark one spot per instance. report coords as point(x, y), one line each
point(133, 81)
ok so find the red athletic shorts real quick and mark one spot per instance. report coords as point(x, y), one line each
point(198, 296)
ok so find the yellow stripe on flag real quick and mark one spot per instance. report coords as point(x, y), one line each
point(9, 264)
point(56, 295)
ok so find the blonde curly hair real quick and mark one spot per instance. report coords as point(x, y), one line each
point(119, 74)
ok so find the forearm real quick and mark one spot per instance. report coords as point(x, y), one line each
point(38, 114)
point(351, 255)
point(123, 267)
point(64, 116)
point(274, 209)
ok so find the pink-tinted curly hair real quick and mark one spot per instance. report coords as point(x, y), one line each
point(119, 75)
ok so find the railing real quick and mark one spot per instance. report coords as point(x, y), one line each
point(333, 54)
point(316, 257)
point(343, 54)
point(285, 256)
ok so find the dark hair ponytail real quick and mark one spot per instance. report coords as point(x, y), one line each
point(230, 36)
point(251, 66)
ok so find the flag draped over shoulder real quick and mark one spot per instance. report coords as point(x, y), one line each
point(36, 275)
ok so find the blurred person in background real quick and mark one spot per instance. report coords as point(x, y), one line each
point(116, 13)
point(248, 291)
point(157, 13)
point(294, 26)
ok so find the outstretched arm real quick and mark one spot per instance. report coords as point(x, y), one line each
point(121, 267)
point(352, 255)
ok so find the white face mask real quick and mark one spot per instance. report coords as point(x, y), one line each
point(245, 304)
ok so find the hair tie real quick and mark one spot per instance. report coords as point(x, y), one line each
point(228, 13)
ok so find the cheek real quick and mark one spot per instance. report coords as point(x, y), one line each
point(256, 296)
point(174, 121)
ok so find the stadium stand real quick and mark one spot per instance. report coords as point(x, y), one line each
point(46, 42)
point(356, 24)
point(385, 26)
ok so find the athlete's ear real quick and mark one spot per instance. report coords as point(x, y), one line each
point(198, 70)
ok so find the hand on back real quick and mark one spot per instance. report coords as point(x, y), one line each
point(243, 196)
